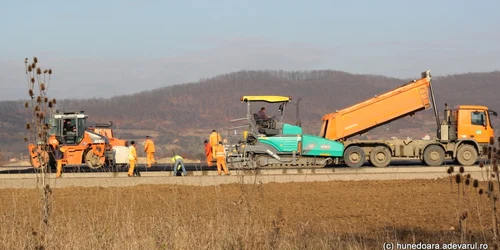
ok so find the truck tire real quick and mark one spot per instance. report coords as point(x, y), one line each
point(466, 155)
point(434, 155)
point(423, 162)
point(354, 157)
point(380, 156)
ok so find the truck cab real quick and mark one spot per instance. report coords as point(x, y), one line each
point(472, 122)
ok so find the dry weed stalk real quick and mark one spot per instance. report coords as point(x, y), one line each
point(459, 179)
point(490, 174)
point(38, 109)
point(478, 208)
point(278, 224)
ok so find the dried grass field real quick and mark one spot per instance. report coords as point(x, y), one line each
point(314, 215)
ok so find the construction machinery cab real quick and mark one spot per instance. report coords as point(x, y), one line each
point(266, 126)
point(68, 127)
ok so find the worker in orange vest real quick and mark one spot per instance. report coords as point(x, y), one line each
point(54, 143)
point(149, 148)
point(220, 155)
point(208, 153)
point(132, 158)
point(214, 139)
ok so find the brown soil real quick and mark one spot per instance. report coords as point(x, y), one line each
point(316, 215)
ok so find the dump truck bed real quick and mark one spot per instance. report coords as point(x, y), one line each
point(381, 109)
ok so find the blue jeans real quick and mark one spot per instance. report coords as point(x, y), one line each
point(176, 166)
point(57, 153)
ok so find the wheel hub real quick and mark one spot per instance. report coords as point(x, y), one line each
point(380, 157)
point(467, 155)
point(434, 156)
point(354, 157)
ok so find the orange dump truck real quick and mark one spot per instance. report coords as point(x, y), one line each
point(460, 135)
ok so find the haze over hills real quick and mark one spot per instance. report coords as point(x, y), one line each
point(181, 116)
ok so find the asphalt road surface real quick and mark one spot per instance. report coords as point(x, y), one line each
point(190, 167)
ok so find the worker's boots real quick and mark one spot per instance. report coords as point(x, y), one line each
point(137, 173)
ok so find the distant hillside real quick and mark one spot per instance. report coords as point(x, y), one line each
point(181, 115)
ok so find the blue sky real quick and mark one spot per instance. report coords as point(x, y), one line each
point(123, 47)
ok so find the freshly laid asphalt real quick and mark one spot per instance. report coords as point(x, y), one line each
point(190, 167)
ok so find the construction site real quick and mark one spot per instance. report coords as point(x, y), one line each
point(249, 125)
point(287, 189)
point(267, 142)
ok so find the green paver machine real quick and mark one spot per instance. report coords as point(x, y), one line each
point(272, 143)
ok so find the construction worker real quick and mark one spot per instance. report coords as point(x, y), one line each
point(208, 153)
point(220, 155)
point(262, 119)
point(54, 144)
point(178, 164)
point(59, 158)
point(262, 114)
point(132, 158)
point(149, 148)
point(214, 139)
point(67, 126)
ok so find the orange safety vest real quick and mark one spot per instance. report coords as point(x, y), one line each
point(219, 151)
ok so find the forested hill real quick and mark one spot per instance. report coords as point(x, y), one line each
point(182, 113)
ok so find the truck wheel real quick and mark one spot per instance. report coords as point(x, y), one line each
point(354, 157)
point(380, 156)
point(466, 155)
point(434, 155)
